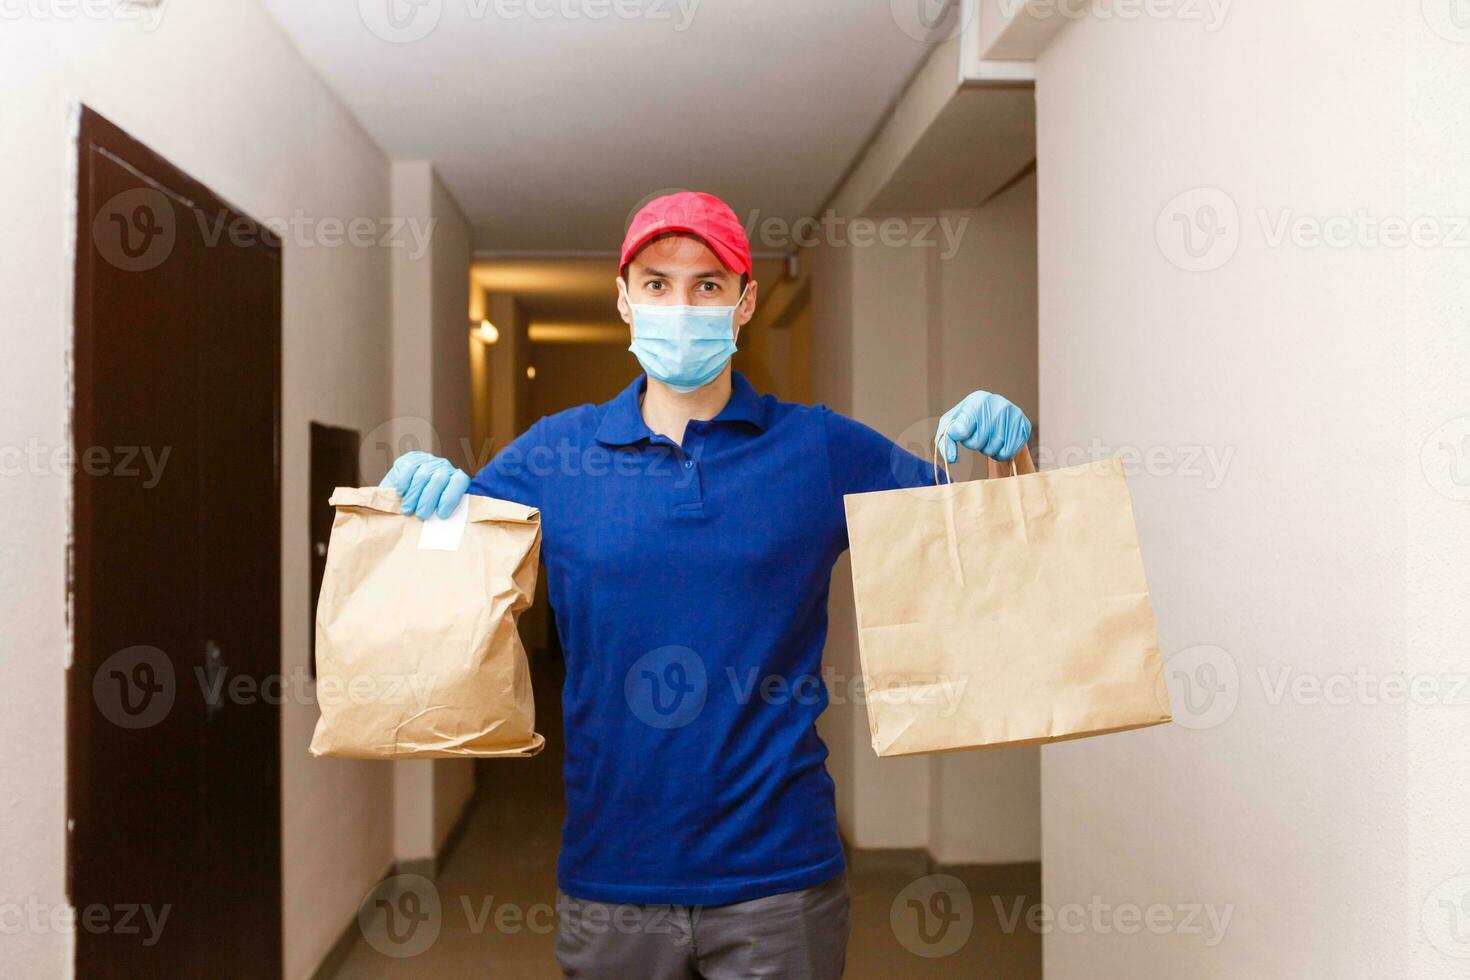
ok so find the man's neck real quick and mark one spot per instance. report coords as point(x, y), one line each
point(667, 411)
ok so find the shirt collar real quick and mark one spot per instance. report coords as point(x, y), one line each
point(622, 423)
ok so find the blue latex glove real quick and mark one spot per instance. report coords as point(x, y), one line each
point(429, 485)
point(987, 424)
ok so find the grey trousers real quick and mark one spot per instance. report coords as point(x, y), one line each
point(801, 935)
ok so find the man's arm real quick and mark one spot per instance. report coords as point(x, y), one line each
point(512, 474)
point(861, 459)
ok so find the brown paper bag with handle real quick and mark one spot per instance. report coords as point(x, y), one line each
point(417, 650)
point(1007, 611)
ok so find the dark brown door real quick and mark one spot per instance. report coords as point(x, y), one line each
point(334, 463)
point(174, 732)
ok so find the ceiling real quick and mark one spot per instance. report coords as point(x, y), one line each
point(550, 130)
point(979, 141)
point(554, 290)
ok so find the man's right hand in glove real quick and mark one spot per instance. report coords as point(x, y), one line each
point(428, 484)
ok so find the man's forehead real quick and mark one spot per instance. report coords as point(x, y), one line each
point(679, 253)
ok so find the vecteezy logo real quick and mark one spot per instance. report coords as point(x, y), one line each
point(134, 230)
point(667, 687)
point(652, 196)
point(933, 916)
point(1446, 917)
point(931, 21)
point(1445, 459)
point(1199, 229)
point(401, 917)
point(1450, 19)
point(1204, 686)
point(400, 21)
point(134, 688)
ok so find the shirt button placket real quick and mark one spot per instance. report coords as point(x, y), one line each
point(688, 492)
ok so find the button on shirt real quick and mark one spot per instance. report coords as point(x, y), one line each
point(689, 585)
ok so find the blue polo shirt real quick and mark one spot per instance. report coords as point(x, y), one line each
point(690, 587)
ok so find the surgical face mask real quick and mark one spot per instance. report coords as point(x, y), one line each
point(685, 347)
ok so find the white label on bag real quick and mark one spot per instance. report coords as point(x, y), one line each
point(445, 533)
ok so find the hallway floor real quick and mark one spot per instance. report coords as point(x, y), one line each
point(497, 890)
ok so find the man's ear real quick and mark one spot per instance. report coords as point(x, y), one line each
point(745, 309)
point(624, 310)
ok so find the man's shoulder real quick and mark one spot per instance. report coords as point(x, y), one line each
point(817, 420)
point(814, 414)
point(777, 409)
point(579, 418)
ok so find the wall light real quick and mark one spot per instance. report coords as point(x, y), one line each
point(488, 333)
point(531, 372)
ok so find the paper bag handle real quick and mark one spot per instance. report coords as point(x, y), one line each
point(1020, 465)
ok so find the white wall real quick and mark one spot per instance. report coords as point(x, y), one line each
point(449, 314)
point(1435, 469)
point(431, 401)
point(1288, 815)
point(986, 806)
point(215, 89)
point(831, 382)
point(899, 334)
point(890, 347)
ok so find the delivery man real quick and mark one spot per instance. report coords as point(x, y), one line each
point(690, 526)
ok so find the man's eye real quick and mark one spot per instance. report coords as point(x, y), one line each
point(709, 287)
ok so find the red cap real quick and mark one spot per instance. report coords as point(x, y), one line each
point(702, 215)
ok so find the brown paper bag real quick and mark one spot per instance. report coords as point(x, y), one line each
point(417, 650)
point(1004, 612)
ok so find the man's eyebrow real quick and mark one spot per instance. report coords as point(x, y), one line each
point(658, 274)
